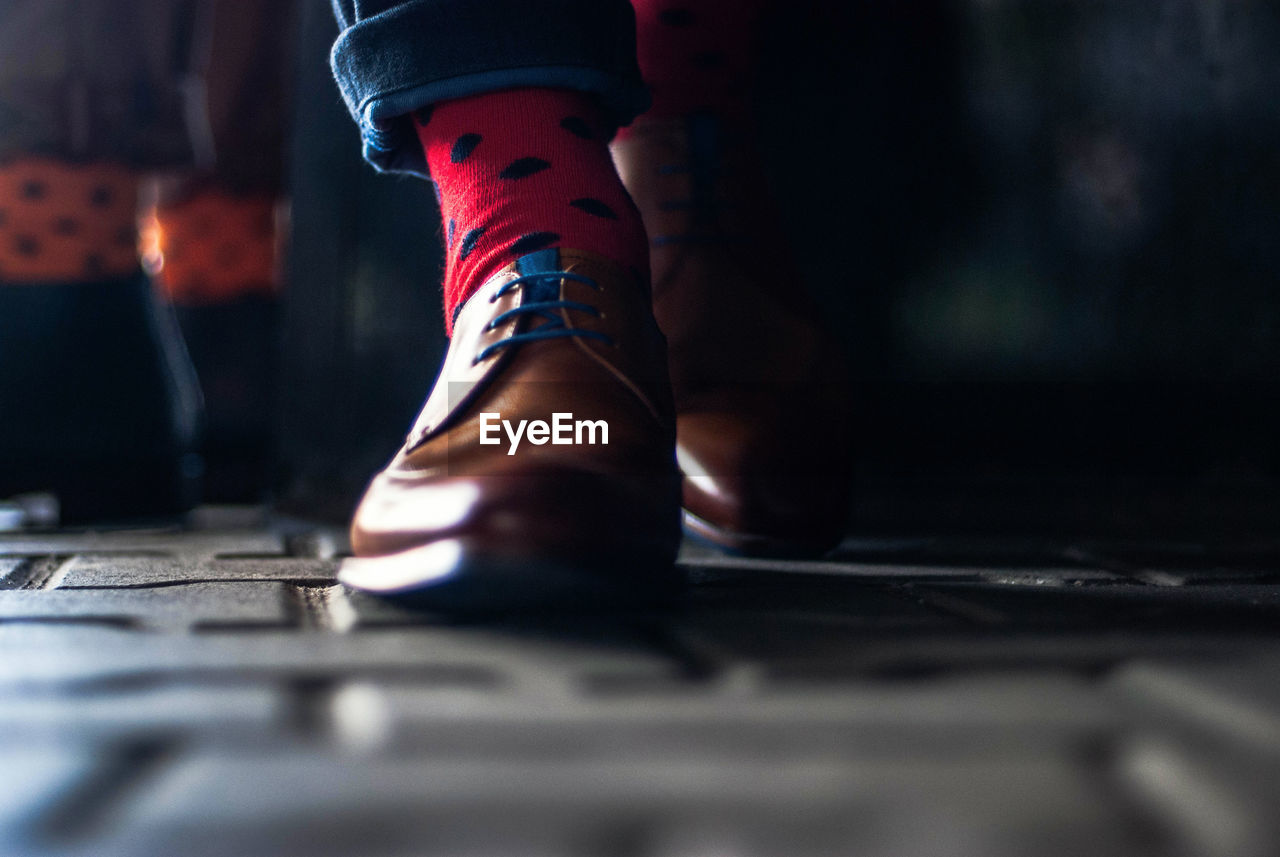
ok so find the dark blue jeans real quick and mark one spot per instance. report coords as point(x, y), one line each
point(395, 56)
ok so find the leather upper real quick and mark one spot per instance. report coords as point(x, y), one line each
point(543, 499)
point(761, 391)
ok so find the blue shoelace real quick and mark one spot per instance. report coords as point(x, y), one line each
point(553, 326)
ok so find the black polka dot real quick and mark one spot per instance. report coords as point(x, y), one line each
point(66, 226)
point(524, 167)
point(677, 17)
point(533, 241)
point(26, 245)
point(423, 114)
point(469, 242)
point(464, 146)
point(595, 207)
point(93, 265)
point(34, 190)
point(577, 126)
point(101, 196)
point(453, 227)
point(708, 60)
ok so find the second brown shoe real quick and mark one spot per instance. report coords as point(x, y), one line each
point(541, 471)
point(761, 392)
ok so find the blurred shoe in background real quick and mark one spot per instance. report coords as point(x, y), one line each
point(761, 392)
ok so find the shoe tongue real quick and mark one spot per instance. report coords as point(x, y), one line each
point(541, 262)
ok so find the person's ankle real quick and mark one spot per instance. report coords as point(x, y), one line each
point(698, 56)
point(67, 222)
point(213, 246)
point(524, 170)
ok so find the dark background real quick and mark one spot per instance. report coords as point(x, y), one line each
point(1048, 234)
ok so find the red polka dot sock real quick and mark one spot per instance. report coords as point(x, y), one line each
point(66, 222)
point(524, 170)
point(213, 246)
point(697, 56)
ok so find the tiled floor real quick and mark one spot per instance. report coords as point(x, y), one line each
point(210, 691)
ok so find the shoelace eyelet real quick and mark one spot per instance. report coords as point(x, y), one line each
point(554, 326)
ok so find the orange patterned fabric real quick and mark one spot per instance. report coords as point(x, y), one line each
point(62, 222)
point(213, 247)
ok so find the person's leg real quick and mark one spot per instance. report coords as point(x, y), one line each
point(215, 219)
point(698, 56)
point(522, 99)
point(508, 105)
point(215, 258)
point(523, 170)
point(104, 405)
point(96, 80)
point(394, 57)
point(216, 237)
point(87, 101)
point(760, 392)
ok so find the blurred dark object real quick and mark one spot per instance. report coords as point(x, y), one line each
point(100, 407)
point(234, 347)
point(1063, 191)
point(1045, 230)
point(216, 260)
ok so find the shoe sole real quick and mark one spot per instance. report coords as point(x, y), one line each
point(453, 577)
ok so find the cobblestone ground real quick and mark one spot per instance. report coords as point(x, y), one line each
point(212, 692)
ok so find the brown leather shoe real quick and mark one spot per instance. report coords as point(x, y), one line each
point(760, 390)
point(475, 513)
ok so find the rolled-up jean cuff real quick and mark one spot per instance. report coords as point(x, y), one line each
point(424, 51)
